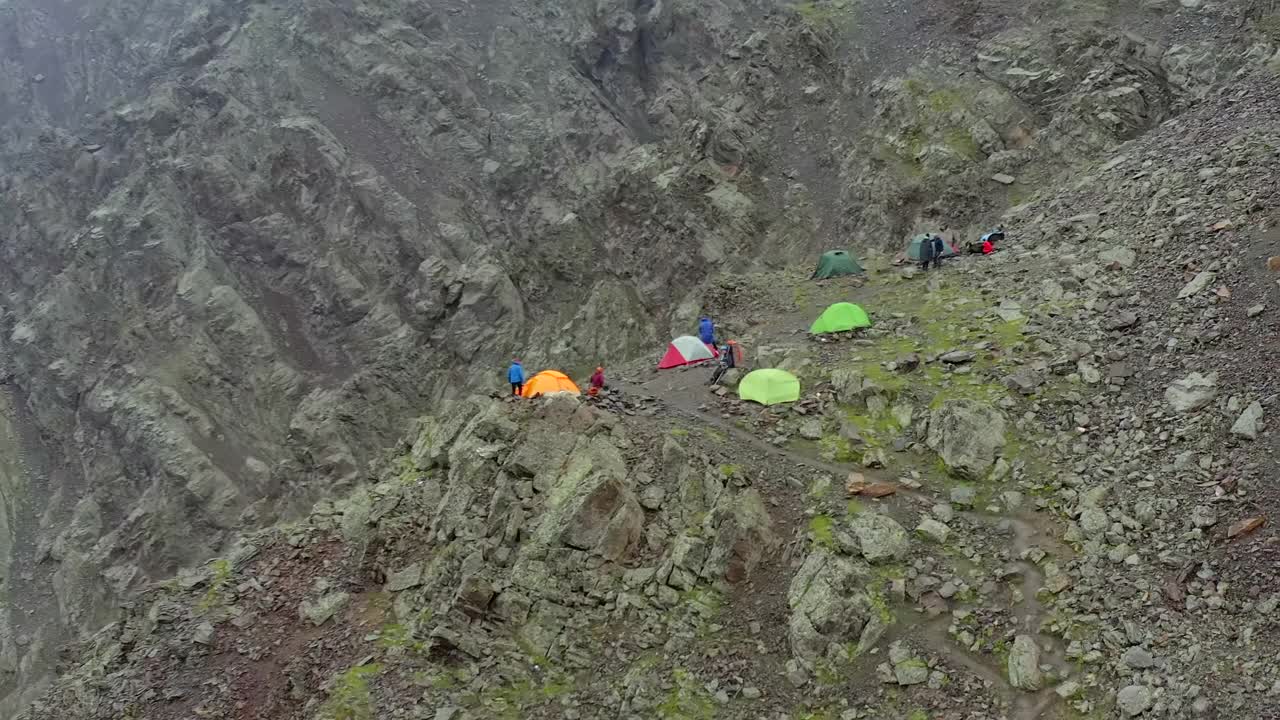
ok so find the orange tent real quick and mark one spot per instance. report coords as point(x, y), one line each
point(549, 381)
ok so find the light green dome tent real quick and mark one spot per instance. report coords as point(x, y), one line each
point(836, 263)
point(769, 387)
point(840, 317)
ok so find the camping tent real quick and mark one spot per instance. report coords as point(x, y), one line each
point(840, 317)
point(913, 250)
point(547, 382)
point(769, 387)
point(836, 263)
point(686, 350)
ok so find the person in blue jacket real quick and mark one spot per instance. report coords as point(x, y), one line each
point(707, 331)
point(515, 376)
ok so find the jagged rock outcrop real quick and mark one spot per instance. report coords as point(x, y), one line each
point(829, 605)
point(507, 533)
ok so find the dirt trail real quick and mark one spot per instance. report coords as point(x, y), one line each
point(684, 394)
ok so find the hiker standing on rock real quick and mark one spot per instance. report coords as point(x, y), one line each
point(515, 376)
point(597, 382)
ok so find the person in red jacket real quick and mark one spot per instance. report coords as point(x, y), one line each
point(988, 247)
point(597, 382)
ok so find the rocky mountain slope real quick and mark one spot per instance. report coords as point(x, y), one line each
point(1040, 487)
point(245, 245)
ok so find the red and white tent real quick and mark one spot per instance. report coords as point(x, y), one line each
point(686, 350)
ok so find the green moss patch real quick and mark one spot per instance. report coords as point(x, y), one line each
point(351, 698)
point(822, 532)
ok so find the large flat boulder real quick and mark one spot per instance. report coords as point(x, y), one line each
point(1192, 393)
point(967, 435)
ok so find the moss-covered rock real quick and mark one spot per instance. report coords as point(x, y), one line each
point(829, 605)
point(967, 434)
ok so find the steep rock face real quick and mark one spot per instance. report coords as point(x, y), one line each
point(62, 60)
point(223, 297)
point(949, 145)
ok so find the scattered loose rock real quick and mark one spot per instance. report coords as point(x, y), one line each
point(203, 634)
point(1134, 700)
point(320, 611)
point(409, 577)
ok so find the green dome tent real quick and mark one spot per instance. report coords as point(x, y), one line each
point(913, 250)
point(769, 387)
point(840, 317)
point(836, 263)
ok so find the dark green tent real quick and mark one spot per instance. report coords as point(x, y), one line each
point(913, 250)
point(836, 263)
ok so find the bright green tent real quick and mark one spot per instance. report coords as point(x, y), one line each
point(769, 387)
point(836, 263)
point(840, 317)
point(913, 250)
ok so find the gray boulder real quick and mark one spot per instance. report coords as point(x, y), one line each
point(1197, 285)
point(740, 532)
point(1025, 381)
point(1249, 424)
point(731, 378)
point(1024, 664)
point(1134, 700)
point(591, 506)
point(811, 429)
point(1203, 516)
point(934, 530)
point(852, 388)
point(1118, 258)
point(829, 606)
point(907, 668)
point(405, 579)
point(319, 611)
point(1138, 658)
point(1192, 392)
point(1094, 522)
point(880, 537)
point(967, 435)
